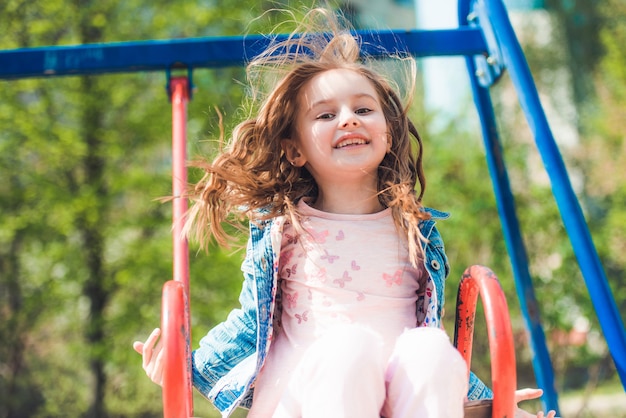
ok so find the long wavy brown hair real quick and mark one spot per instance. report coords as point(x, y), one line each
point(251, 178)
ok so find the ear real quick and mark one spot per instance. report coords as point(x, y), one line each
point(292, 152)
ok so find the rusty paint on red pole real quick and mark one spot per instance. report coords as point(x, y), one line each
point(481, 280)
point(177, 391)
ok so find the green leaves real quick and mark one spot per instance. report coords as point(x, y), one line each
point(84, 244)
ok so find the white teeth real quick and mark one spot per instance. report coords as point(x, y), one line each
point(354, 141)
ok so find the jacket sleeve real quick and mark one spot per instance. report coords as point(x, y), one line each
point(229, 343)
point(477, 389)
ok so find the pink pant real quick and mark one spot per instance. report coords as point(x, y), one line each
point(344, 375)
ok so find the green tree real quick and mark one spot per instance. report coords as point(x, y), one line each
point(579, 23)
point(85, 246)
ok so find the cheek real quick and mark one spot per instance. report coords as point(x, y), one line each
point(316, 131)
point(385, 137)
point(382, 127)
point(383, 133)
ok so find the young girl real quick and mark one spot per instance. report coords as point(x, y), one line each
point(344, 272)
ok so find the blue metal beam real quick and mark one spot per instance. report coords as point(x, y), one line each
point(159, 55)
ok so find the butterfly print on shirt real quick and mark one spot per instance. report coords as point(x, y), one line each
point(302, 318)
point(319, 276)
point(291, 270)
point(285, 257)
point(291, 239)
point(328, 257)
point(318, 237)
point(396, 278)
point(339, 236)
point(292, 300)
point(342, 281)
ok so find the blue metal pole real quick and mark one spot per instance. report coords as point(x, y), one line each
point(216, 52)
point(515, 245)
point(571, 212)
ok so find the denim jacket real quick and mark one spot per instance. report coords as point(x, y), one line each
point(231, 355)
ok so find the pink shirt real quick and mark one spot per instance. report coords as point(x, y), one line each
point(344, 269)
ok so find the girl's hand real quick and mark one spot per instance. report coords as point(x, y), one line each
point(152, 354)
point(526, 394)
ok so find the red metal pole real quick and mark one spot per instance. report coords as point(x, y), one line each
point(481, 280)
point(175, 315)
point(180, 96)
point(177, 392)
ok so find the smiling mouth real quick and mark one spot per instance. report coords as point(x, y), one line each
point(351, 141)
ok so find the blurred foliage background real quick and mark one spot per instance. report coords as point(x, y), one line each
point(85, 245)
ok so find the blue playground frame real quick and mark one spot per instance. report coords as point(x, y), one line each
point(486, 39)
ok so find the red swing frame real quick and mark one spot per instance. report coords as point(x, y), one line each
point(480, 280)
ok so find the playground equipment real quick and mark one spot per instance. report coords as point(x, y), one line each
point(484, 37)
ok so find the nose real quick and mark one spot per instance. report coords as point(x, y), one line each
point(348, 119)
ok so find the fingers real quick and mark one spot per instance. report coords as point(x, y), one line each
point(156, 374)
point(520, 413)
point(152, 356)
point(149, 346)
point(526, 394)
point(138, 347)
point(551, 414)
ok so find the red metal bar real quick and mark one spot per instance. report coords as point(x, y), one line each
point(177, 393)
point(481, 280)
point(175, 314)
point(180, 96)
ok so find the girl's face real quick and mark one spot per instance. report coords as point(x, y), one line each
point(341, 131)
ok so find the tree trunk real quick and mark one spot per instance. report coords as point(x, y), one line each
point(90, 224)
